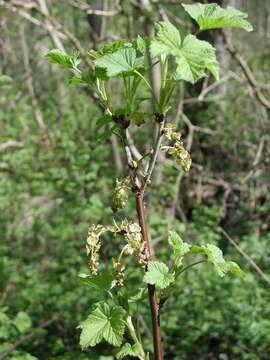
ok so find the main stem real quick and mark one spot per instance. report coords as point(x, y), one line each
point(151, 288)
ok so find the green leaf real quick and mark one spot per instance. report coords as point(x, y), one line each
point(215, 256)
point(109, 48)
point(105, 322)
point(22, 322)
point(128, 350)
point(114, 46)
point(158, 274)
point(142, 43)
point(122, 62)
point(167, 41)
point(192, 56)
point(129, 298)
point(59, 57)
point(180, 248)
point(212, 16)
point(88, 78)
point(103, 121)
point(138, 296)
point(23, 356)
point(77, 80)
point(5, 79)
point(195, 56)
point(106, 134)
point(234, 268)
point(102, 281)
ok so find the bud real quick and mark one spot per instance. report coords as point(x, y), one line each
point(120, 194)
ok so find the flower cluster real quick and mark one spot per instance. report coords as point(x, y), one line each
point(177, 150)
point(134, 246)
point(93, 246)
point(119, 270)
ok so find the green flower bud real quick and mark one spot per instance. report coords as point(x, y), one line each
point(120, 194)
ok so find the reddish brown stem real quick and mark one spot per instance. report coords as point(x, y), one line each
point(151, 288)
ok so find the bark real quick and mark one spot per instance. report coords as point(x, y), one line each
point(158, 354)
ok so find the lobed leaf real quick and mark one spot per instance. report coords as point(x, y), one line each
point(167, 40)
point(105, 322)
point(158, 274)
point(234, 268)
point(142, 43)
point(195, 56)
point(192, 56)
point(59, 57)
point(212, 16)
point(180, 248)
point(121, 62)
point(102, 281)
point(215, 256)
point(128, 350)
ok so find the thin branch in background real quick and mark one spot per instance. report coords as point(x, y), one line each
point(247, 72)
point(52, 27)
point(81, 5)
point(24, 14)
point(30, 87)
point(247, 257)
point(11, 143)
point(256, 161)
point(53, 33)
point(27, 337)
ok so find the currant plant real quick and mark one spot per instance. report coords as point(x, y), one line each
point(187, 59)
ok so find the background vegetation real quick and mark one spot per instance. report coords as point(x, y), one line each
point(56, 179)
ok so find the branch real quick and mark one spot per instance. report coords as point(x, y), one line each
point(247, 72)
point(53, 33)
point(132, 164)
point(13, 8)
point(11, 143)
point(256, 161)
point(153, 159)
point(247, 257)
point(135, 152)
point(29, 81)
point(51, 25)
point(85, 7)
point(27, 337)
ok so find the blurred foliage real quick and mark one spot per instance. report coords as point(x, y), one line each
point(52, 190)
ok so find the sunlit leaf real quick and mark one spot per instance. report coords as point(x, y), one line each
point(22, 322)
point(128, 350)
point(212, 16)
point(158, 274)
point(122, 62)
point(63, 59)
point(180, 248)
point(192, 56)
point(105, 322)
